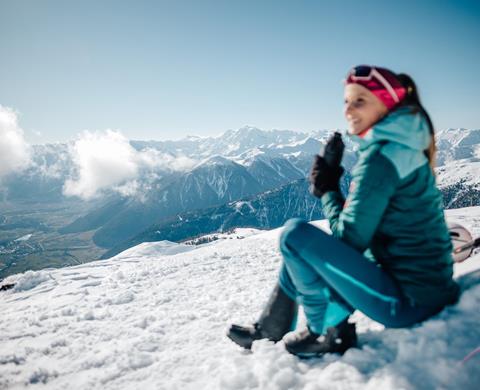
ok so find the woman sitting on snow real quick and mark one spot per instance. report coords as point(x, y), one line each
point(389, 254)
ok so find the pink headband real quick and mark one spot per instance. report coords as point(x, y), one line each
point(380, 81)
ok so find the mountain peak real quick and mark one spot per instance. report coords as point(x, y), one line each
point(250, 129)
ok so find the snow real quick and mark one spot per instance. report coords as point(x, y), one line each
point(30, 279)
point(234, 234)
point(240, 204)
point(214, 160)
point(460, 137)
point(296, 143)
point(26, 237)
point(155, 249)
point(155, 316)
point(248, 158)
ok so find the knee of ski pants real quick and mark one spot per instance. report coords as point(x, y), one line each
point(294, 233)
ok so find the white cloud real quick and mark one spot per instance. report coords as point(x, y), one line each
point(14, 151)
point(102, 160)
point(107, 161)
point(130, 188)
point(152, 158)
point(53, 170)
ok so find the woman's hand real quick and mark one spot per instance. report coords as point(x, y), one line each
point(326, 170)
point(333, 152)
point(323, 177)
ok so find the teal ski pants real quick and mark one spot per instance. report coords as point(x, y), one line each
point(331, 279)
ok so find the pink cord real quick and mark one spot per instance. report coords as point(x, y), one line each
point(470, 355)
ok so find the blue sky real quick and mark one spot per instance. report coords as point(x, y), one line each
point(165, 69)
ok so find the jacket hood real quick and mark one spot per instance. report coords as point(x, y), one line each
point(400, 126)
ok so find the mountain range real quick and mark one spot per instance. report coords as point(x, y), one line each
point(252, 163)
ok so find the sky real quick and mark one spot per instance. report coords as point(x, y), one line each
point(168, 69)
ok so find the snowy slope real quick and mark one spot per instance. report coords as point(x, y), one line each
point(154, 317)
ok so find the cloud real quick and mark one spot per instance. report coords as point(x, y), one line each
point(14, 151)
point(55, 170)
point(102, 160)
point(154, 159)
point(106, 161)
point(130, 188)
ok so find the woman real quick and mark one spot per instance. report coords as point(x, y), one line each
point(389, 254)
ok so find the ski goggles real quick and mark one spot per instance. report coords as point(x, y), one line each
point(367, 73)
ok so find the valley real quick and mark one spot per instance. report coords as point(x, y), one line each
point(29, 237)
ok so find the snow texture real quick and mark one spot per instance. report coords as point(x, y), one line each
point(154, 318)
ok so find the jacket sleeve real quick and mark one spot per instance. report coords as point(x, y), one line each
point(374, 181)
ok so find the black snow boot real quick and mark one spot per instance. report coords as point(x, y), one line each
point(308, 344)
point(275, 321)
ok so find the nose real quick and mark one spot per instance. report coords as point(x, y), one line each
point(347, 109)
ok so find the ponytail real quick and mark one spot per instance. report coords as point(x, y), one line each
point(412, 100)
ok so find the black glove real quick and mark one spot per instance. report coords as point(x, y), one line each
point(323, 177)
point(326, 170)
point(333, 151)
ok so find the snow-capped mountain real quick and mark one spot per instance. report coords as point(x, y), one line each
point(234, 174)
point(247, 146)
point(53, 164)
point(155, 316)
point(232, 143)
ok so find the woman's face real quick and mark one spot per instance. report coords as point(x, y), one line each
point(362, 108)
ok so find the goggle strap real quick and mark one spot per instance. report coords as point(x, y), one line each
point(386, 84)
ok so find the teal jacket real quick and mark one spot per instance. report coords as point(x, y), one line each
point(394, 211)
